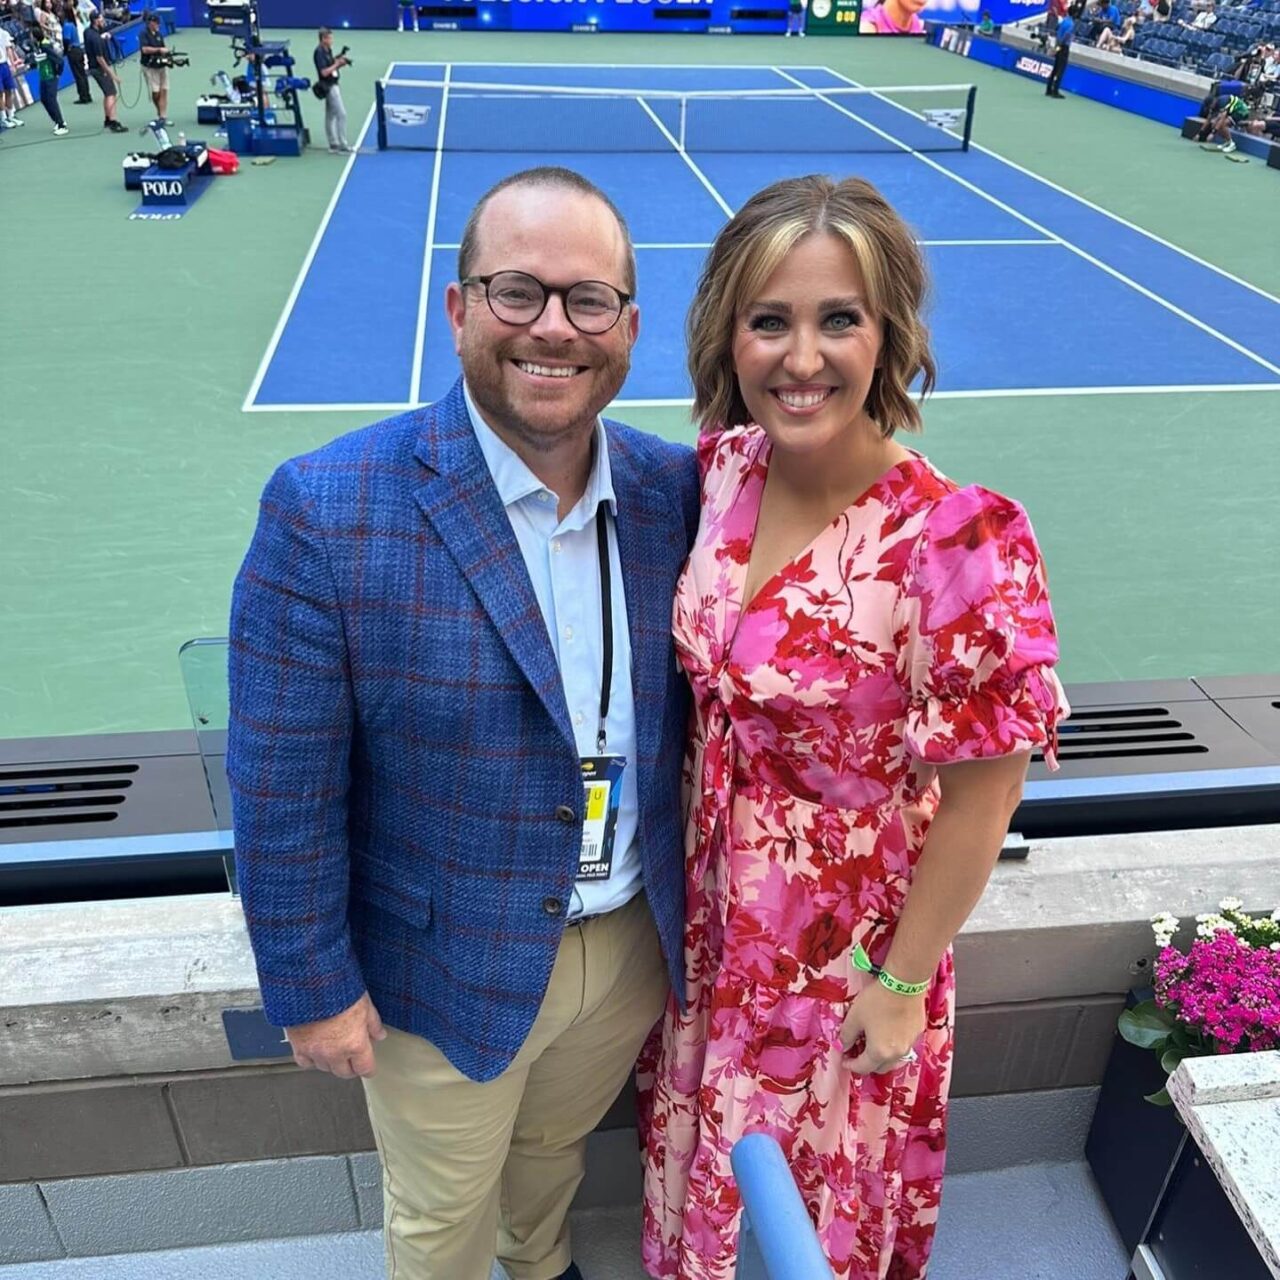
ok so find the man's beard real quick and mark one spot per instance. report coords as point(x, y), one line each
point(540, 423)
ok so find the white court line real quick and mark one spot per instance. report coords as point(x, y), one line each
point(981, 393)
point(424, 290)
point(1036, 226)
point(701, 244)
point(265, 363)
point(684, 155)
point(706, 244)
point(1089, 204)
point(1019, 393)
point(614, 66)
point(386, 407)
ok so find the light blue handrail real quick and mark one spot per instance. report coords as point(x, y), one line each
point(788, 1243)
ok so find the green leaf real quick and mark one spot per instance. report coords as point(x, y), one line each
point(1159, 1099)
point(1169, 1060)
point(1146, 1025)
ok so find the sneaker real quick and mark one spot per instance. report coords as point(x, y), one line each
point(167, 124)
point(16, 122)
point(84, 102)
point(1228, 147)
point(60, 131)
point(116, 127)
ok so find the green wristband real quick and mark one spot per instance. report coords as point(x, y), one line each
point(862, 961)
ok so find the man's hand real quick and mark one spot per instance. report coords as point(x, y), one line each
point(889, 1026)
point(341, 1045)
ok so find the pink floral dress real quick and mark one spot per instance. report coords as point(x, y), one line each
point(914, 631)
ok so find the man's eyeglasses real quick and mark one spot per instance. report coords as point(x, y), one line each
point(516, 297)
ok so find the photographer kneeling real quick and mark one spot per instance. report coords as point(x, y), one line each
point(155, 66)
point(328, 65)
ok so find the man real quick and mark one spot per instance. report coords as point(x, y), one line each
point(49, 68)
point(98, 56)
point(420, 682)
point(1230, 111)
point(9, 118)
point(1203, 20)
point(1064, 37)
point(1107, 14)
point(328, 69)
point(155, 68)
point(73, 43)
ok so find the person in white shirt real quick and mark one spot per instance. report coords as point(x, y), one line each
point(8, 84)
point(1203, 20)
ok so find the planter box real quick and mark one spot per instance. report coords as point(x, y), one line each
point(1132, 1144)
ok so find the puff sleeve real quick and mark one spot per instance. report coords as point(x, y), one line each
point(976, 637)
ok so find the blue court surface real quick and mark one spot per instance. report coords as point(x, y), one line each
point(1036, 291)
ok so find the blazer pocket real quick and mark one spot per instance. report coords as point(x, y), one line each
point(382, 888)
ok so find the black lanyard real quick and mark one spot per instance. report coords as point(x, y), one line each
point(606, 623)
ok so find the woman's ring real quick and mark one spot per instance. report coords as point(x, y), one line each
point(910, 1056)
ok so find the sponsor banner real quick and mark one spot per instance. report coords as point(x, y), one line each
point(1029, 65)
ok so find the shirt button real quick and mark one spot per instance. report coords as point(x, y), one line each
point(568, 633)
point(553, 906)
point(579, 719)
point(565, 814)
point(556, 546)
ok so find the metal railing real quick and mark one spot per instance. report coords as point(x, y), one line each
point(787, 1241)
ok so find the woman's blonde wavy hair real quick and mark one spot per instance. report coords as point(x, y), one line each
point(748, 250)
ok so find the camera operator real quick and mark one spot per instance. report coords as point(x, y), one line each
point(328, 65)
point(155, 66)
point(98, 56)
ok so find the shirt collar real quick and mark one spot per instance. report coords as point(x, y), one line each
point(514, 480)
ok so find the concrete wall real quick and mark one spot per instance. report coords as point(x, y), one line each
point(113, 1058)
point(305, 1195)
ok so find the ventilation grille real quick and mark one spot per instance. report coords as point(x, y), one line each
point(1126, 733)
point(64, 795)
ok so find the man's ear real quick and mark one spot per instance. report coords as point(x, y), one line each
point(455, 306)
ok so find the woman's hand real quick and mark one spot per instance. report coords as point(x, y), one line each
point(889, 1025)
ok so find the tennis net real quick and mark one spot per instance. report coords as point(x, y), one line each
point(472, 116)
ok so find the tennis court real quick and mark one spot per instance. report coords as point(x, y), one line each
point(1014, 259)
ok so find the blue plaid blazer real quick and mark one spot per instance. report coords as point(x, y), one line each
point(400, 752)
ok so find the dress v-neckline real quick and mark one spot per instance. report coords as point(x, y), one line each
point(761, 461)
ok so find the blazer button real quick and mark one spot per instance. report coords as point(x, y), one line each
point(553, 906)
point(566, 814)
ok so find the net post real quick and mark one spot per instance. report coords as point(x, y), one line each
point(380, 97)
point(970, 104)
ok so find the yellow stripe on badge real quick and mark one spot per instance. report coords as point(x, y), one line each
point(597, 800)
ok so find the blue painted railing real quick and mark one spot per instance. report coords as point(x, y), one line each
point(788, 1243)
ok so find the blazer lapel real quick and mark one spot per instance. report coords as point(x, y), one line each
point(461, 501)
point(644, 515)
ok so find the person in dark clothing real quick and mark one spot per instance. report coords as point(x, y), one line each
point(155, 66)
point(99, 59)
point(1064, 36)
point(74, 46)
point(49, 65)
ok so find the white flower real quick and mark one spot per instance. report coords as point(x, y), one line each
point(1210, 923)
point(1230, 904)
point(1275, 915)
point(1275, 946)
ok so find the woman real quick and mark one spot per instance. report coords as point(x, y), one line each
point(870, 649)
point(73, 42)
point(1109, 42)
point(892, 18)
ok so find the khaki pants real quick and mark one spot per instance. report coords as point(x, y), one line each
point(470, 1170)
